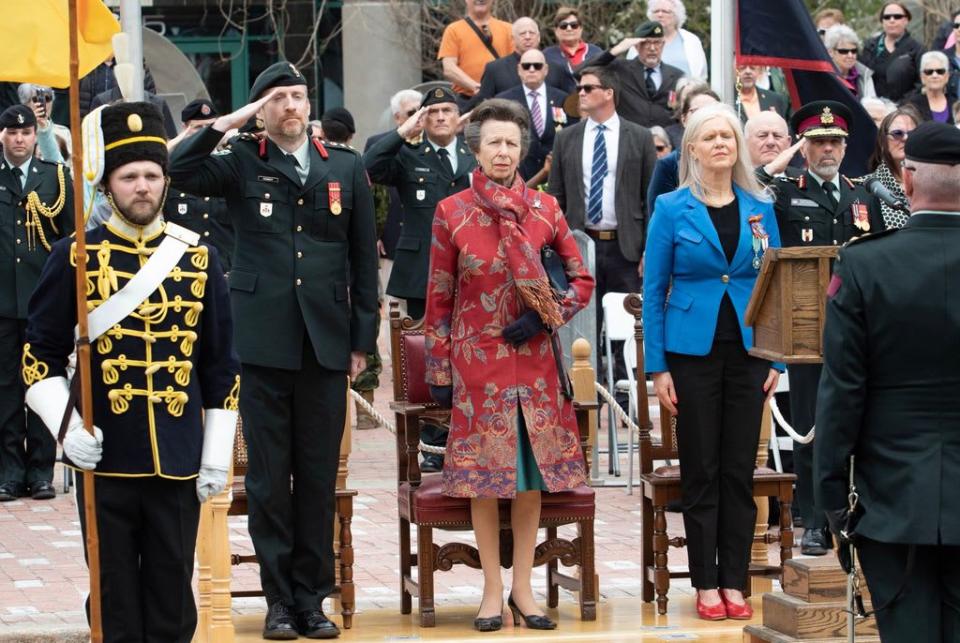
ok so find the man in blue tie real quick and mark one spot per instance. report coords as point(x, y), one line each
point(600, 174)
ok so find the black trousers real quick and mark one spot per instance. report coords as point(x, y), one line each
point(614, 273)
point(27, 449)
point(293, 423)
point(929, 608)
point(148, 534)
point(720, 404)
point(804, 380)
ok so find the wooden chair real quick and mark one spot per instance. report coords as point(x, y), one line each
point(420, 503)
point(661, 488)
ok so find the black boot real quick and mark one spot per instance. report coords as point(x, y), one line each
point(315, 625)
point(279, 624)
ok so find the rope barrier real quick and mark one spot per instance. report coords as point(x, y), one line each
point(382, 421)
point(802, 439)
point(617, 409)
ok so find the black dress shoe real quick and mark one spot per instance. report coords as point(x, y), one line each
point(815, 542)
point(280, 625)
point(432, 463)
point(532, 621)
point(315, 625)
point(42, 490)
point(11, 491)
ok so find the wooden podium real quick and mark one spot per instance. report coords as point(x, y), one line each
point(787, 307)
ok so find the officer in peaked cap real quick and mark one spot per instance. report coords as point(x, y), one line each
point(821, 207)
point(36, 204)
point(304, 290)
point(165, 379)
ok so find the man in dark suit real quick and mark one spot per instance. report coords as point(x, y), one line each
point(36, 206)
point(600, 174)
point(544, 104)
point(888, 396)
point(304, 292)
point(647, 84)
point(751, 100)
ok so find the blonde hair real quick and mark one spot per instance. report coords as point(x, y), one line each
point(691, 175)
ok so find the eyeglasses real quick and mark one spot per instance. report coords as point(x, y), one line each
point(931, 72)
point(661, 147)
point(586, 89)
point(846, 52)
point(893, 16)
point(529, 66)
point(898, 134)
point(565, 26)
point(822, 32)
point(956, 25)
point(411, 112)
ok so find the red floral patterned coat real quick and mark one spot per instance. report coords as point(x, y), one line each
point(471, 297)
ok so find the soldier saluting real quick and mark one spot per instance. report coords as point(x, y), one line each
point(821, 207)
point(165, 379)
point(304, 290)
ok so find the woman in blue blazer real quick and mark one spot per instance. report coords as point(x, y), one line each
point(704, 247)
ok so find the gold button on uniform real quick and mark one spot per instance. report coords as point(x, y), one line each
point(206, 198)
point(299, 228)
point(299, 255)
point(18, 240)
point(299, 282)
point(299, 201)
point(183, 194)
point(725, 279)
point(206, 233)
point(206, 215)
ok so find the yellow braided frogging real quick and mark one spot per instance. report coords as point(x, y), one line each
point(35, 208)
point(232, 402)
point(33, 369)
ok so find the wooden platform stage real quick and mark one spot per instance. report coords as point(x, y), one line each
point(618, 621)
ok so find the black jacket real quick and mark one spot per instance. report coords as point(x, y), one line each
point(102, 79)
point(635, 104)
point(919, 100)
point(501, 74)
point(540, 146)
point(112, 95)
point(894, 74)
point(769, 101)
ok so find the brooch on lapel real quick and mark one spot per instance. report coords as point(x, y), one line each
point(760, 238)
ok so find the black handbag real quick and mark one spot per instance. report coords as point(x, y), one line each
point(557, 276)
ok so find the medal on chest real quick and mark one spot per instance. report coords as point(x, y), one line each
point(760, 239)
point(266, 209)
point(861, 216)
point(333, 192)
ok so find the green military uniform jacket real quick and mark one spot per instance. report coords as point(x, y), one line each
point(305, 257)
point(888, 393)
point(24, 247)
point(806, 216)
point(206, 216)
point(422, 181)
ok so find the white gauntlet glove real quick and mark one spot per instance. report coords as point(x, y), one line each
point(219, 427)
point(49, 398)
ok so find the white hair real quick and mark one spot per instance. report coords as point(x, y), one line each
point(839, 34)
point(401, 97)
point(885, 104)
point(658, 132)
point(678, 10)
point(937, 56)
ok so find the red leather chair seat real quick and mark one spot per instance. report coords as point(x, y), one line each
point(673, 471)
point(433, 508)
point(415, 354)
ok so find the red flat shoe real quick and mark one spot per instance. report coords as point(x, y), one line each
point(716, 612)
point(737, 612)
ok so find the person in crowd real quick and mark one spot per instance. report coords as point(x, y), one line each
point(600, 176)
point(885, 163)
point(661, 141)
point(163, 436)
point(935, 97)
point(767, 136)
point(304, 293)
point(486, 246)
point(102, 79)
point(877, 108)
point(751, 100)
point(681, 49)
point(821, 207)
point(666, 172)
point(826, 18)
point(888, 397)
point(36, 203)
point(646, 83)
point(207, 216)
point(893, 54)
point(468, 44)
point(956, 112)
point(113, 95)
point(503, 74)
point(843, 44)
point(571, 50)
point(544, 105)
point(953, 55)
point(338, 126)
point(719, 222)
point(675, 129)
point(53, 139)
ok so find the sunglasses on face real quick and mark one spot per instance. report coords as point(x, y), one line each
point(846, 52)
point(898, 134)
point(586, 89)
point(411, 112)
point(529, 66)
point(956, 25)
point(565, 26)
point(931, 72)
point(894, 16)
point(660, 147)
point(822, 32)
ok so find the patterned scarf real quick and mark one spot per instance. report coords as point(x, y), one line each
point(508, 207)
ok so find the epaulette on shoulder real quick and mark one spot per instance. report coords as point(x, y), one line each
point(853, 182)
point(867, 237)
point(331, 145)
point(53, 163)
point(245, 137)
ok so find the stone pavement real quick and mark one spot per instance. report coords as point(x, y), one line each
point(43, 578)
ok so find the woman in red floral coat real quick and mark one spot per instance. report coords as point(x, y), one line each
point(490, 311)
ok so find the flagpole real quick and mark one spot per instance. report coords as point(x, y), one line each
point(723, 25)
point(83, 343)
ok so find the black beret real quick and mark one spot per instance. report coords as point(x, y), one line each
point(132, 132)
point(649, 29)
point(198, 110)
point(438, 95)
point(822, 118)
point(281, 74)
point(18, 116)
point(339, 115)
point(932, 142)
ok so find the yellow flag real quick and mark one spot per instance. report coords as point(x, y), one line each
point(35, 40)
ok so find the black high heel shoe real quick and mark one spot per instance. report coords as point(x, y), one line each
point(533, 622)
point(489, 623)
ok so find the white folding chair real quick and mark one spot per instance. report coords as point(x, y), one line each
point(617, 326)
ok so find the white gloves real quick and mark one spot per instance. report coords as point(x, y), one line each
point(219, 427)
point(49, 398)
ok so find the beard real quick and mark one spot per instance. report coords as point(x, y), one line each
point(139, 211)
